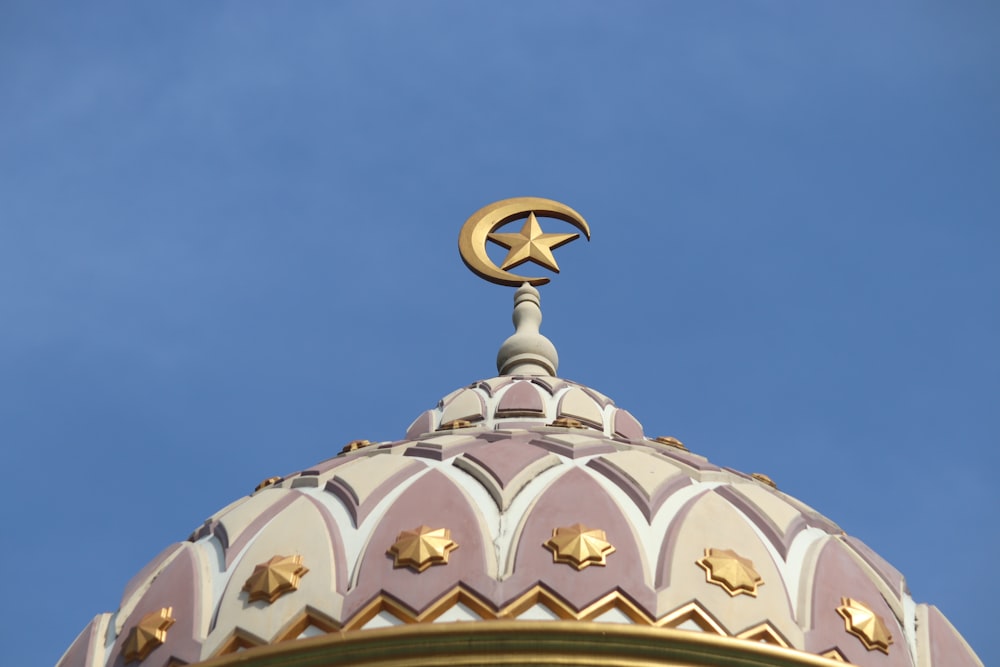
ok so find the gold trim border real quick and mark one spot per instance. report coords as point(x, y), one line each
point(505, 642)
point(535, 596)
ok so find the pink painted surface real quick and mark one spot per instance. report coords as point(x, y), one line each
point(359, 511)
point(598, 445)
point(140, 578)
point(520, 399)
point(442, 453)
point(179, 586)
point(421, 425)
point(627, 426)
point(505, 460)
point(577, 498)
point(435, 501)
point(947, 648)
point(77, 654)
point(838, 576)
point(889, 574)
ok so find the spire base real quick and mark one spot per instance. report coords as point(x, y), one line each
point(527, 352)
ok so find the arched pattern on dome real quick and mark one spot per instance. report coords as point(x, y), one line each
point(891, 576)
point(434, 501)
point(303, 528)
point(501, 486)
point(626, 426)
point(648, 480)
point(577, 498)
point(137, 584)
point(236, 526)
point(423, 424)
point(779, 521)
point(361, 483)
point(505, 470)
point(710, 521)
point(465, 405)
point(493, 385)
point(836, 575)
point(182, 586)
point(578, 404)
point(521, 399)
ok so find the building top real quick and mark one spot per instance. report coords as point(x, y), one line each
point(534, 503)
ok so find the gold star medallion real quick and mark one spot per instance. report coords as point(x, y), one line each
point(422, 547)
point(731, 571)
point(147, 634)
point(579, 546)
point(271, 580)
point(865, 624)
point(530, 244)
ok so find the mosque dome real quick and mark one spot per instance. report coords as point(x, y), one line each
point(526, 519)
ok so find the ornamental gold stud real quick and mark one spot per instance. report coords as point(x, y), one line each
point(731, 571)
point(422, 547)
point(147, 634)
point(670, 441)
point(579, 546)
point(355, 445)
point(455, 424)
point(567, 422)
point(764, 479)
point(272, 579)
point(270, 481)
point(865, 624)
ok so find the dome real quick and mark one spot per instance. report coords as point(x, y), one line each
point(526, 498)
point(525, 519)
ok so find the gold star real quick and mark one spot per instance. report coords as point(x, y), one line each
point(728, 569)
point(531, 244)
point(422, 547)
point(579, 546)
point(274, 578)
point(147, 634)
point(865, 624)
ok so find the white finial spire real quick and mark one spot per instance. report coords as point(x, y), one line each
point(527, 352)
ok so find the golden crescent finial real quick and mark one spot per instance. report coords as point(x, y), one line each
point(528, 245)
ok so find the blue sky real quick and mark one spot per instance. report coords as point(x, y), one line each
point(228, 246)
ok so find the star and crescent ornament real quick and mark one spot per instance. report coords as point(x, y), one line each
point(865, 624)
point(731, 571)
point(579, 546)
point(147, 634)
point(531, 244)
point(272, 579)
point(422, 547)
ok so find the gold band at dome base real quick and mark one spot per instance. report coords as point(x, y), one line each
point(521, 643)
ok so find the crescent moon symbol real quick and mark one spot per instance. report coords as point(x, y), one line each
point(472, 238)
